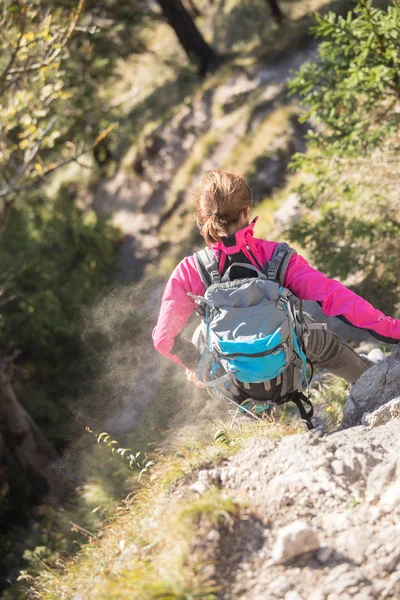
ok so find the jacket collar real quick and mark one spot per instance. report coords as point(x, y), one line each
point(235, 242)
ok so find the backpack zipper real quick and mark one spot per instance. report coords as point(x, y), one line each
point(282, 346)
point(257, 264)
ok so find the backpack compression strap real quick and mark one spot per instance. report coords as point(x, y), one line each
point(207, 267)
point(275, 269)
point(298, 398)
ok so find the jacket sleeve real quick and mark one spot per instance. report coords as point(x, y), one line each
point(176, 308)
point(337, 300)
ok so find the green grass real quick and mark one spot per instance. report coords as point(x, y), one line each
point(331, 394)
point(144, 551)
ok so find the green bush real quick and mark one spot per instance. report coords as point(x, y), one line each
point(350, 205)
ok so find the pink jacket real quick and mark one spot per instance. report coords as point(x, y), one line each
point(303, 280)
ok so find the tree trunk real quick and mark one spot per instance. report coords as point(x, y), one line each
point(188, 35)
point(276, 11)
point(24, 441)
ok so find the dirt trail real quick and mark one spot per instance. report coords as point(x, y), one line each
point(136, 201)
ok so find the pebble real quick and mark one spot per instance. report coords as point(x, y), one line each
point(317, 594)
point(294, 540)
point(391, 497)
point(279, 586)
point(293, 595)
point(337, 467)
point(203, 475)
point(324, 554)
point(198, 487)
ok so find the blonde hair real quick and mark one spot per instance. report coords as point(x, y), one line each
point(221, 199)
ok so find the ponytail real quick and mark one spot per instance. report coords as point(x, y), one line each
point(221, 200)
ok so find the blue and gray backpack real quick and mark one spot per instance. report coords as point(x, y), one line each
point(253, 333)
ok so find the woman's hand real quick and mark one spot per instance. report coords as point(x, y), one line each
point(193, 377)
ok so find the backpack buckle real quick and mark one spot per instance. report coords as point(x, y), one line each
point(283, 299)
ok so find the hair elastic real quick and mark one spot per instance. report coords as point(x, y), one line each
point(216, 213)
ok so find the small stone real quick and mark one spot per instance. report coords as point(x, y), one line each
point(224, 475)
point(337, 467)
point(383, 414)
point(215, 476)
point(213, 536)
point(391, 498)
point(293, 595)
point(341, 579)
point(279, 586)
point(388, 563)
point(294, 540)
point(198, 487)
point(317, 595)
point(203, 475)
point(378, 478)
point(323, 554)
point(363, 595)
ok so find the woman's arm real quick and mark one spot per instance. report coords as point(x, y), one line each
point(176, 308)
point(338, 301)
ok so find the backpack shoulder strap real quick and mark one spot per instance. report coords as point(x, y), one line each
point(207, 267)
point(275, 269)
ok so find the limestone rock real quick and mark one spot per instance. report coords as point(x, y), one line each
point(378, 479)
point(294, 540)
point(199, 487)
point(384, 414)
point(375, 388)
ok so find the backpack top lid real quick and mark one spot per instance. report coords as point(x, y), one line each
point(274, 269)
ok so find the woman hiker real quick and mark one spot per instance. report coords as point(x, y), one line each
point(223, 207)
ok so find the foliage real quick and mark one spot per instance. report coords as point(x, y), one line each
point(33, 44)
point(352, 95)
point(137, 460)
point(331, 394)
point(146, 549)
point(50, 73)
point(65, 258)
point(354, 88)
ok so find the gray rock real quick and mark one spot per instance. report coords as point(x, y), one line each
point(198, 487)
point(337, 467)
point(317, 594)
point(341, 578)
point(378, 479)
point(383, 415)
point(204, 475)
point(390, 499)
point(279, 586)
point(294, 540)
point(293, 595)
point(376, 387)
point(354, 543)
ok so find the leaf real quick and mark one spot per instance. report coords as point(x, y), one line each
point(103, 134)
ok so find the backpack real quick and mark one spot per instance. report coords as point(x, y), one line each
point(254, 336)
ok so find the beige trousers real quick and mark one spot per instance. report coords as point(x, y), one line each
point(327, 351)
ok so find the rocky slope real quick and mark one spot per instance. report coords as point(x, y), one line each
point(219, 124)
point(265, 512)
point(328, 523)
point(325, 518)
